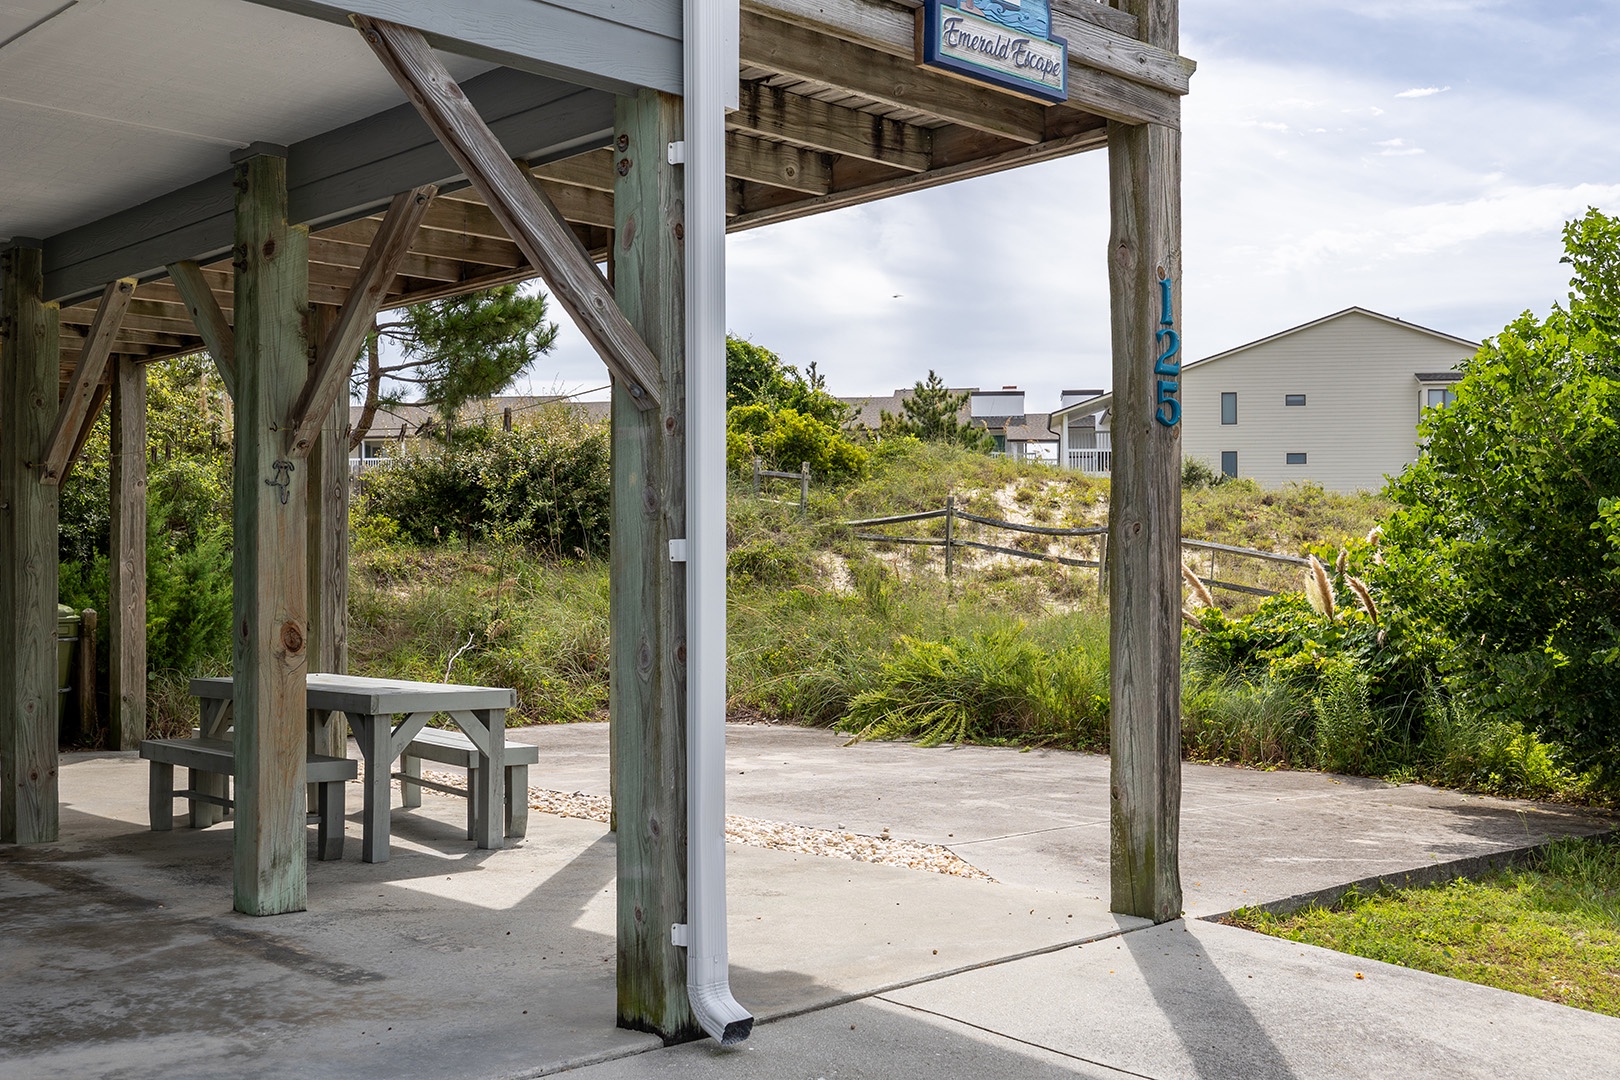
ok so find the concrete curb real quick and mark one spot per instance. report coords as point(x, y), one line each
point(1434, 874)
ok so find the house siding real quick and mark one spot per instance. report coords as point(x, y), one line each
point(1359, 422)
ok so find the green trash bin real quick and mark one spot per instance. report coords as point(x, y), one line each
point(67, 639)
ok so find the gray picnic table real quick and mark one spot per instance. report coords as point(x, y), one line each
point(384, 715)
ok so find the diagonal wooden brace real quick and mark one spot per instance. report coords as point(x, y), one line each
point(525, 212)
point(330, 372)
point(79, 406)
point(212, 325)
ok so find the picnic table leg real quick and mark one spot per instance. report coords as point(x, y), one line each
point(410, 795)
point(329, 833)
point(489, 781)
point(517, 801)
point(374, 733)
point(212, 724)
point(161, 797)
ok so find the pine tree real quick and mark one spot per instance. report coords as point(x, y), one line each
point(454, 350)
point(933, 414)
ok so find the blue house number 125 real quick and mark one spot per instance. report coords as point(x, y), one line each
point(1167, 409)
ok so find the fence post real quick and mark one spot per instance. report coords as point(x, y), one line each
point(950, 540)
point(506, 419)
point(756, 477)
point(804, 487)
point(1102, 564)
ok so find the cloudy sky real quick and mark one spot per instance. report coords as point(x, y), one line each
point(1418, 159)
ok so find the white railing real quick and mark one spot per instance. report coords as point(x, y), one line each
point(1094, 462)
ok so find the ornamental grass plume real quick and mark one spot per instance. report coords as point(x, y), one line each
point(1318, 590)
point(1359, 587)
point(1344, 561)
point(1193, 621)
point(1197, 586)
point(1375, 535)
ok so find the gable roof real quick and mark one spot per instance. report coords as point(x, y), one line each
point(1314, 323)
point(1106, 401)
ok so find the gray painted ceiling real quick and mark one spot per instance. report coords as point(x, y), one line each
point(107, 103)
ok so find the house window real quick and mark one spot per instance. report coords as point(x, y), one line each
point(1229, 463)
point(1440, 396)
point(1295, 458)
point(1001, 443)
point(1229, 408)
point(1293, 399)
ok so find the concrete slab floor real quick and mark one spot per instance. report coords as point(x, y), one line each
point(122, 958)
point(1040, 818)
point(1181, 1001)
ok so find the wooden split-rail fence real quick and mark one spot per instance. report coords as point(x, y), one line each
point(802, 476)
point(951, 542)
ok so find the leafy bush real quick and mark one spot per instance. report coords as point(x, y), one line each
point(995, 686)
point(785, 439)
point(1505, 533)
point(544, 485)
point(1197, 473)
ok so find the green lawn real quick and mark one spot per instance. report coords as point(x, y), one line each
point(1551, 929)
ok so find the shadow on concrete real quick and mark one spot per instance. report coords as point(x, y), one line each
point(1217, 1029)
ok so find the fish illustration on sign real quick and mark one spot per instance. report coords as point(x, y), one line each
point(1028, 16)
point(1006, 43)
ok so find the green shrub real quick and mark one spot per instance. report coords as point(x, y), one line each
point(996, 686)
point(545, 485)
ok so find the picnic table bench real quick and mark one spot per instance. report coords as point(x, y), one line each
point(454, 748)
point(204, 756)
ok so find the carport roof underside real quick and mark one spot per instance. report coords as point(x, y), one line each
point(118, 118)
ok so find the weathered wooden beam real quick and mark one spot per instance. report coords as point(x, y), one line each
point(437, 243)
point(28, 571)
point(329, 377)
point(270, 618)
point(210, 320)
point(804, 121)
point(126, 559)
point(890, 28)
point(882, 77)
point(772, 207)
point(648, 603)
point(87, 378)
point(592, 170)
point(532, 221)
point(777, 164)
point(97, 403)
point(1144, 550)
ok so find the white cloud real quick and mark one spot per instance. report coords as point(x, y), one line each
point(1422, 91)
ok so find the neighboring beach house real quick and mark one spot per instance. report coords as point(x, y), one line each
point(1335, 401)
point(1017, 433)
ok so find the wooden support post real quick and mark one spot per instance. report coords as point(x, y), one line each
point(29, 363)
point(269, 574)
point(1145, 515)
point(126, 628)
point(328, 554)
point(649, 591)
point(88, 721)
point(804, 488)
point(950, 541)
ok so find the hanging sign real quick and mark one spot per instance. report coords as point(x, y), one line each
point(1167, 407)
point(1006, 43)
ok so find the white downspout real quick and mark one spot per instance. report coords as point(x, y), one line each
point(711, 54)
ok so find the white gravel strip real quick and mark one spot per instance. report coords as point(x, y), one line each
point(884, 850)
